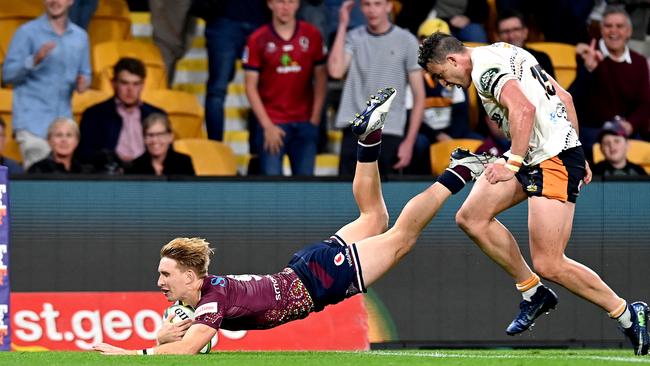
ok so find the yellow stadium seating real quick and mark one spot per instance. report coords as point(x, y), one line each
point(638, 153)
point(81, 101)
point(11, 149)
point(111, 22)
point(183, 108)
point(106, 54)
point(563, 57)
point(13, 14)
point(440, 152)
point(209, 157)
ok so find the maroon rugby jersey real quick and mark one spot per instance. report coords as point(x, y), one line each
point(245, 302)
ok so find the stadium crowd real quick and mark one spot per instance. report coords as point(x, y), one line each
point(299, 59)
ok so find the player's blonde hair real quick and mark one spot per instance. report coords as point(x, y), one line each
point(189, 253)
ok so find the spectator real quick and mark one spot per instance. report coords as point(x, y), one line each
point(111, 131)
point(47, 59)
point(614, 146)
point(611, 80)
point(377, 56)
point(511, 28)
point(12, 165)
point(445, 109)
point(225, 36)
point(160, 158)
point(286, 82)
point(81, 12)
point(639, 11)
point(173, 30)
point(63, 137)
point(466, 18)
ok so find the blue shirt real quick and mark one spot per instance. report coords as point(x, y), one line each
point(43, 92)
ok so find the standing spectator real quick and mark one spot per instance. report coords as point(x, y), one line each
point(611, 80)
point(377, 56)
point(81, 12)
point(12, 165)
point(47, 59)
point(173, 30)
point(160, 158)
point(63, 137)
point(614, 146)
point(111, 131)
point(511, 28)
point(286, 82)
point(225, 37)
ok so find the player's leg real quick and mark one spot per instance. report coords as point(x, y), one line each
point(380, 253)
point(366, 186)
point(550, 225)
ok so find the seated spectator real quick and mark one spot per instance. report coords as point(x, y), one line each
point(47, 59)
point(511, 28)
point(13, 166)
point(611, 80)
point(63, 137)
point(111, 131)
point(160, 157)
point(466, 18)
point(614, 146)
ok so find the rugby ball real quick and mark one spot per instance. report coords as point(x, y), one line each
point(183, 312)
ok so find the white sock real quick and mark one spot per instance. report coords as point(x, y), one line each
point(531, 291)
point(625, 320)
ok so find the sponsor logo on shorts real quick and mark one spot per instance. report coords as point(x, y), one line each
point(339, 259)
point(348, 256)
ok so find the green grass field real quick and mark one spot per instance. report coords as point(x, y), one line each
point(578, 357)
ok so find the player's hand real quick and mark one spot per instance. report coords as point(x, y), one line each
point(588, 175)
point(43, 52)
point(107, 349)
point(459, 21)
point(172, 332)
point(344, 12)
point(590, 55)
point(498, 172)
point(404, 155)
point(273, 139)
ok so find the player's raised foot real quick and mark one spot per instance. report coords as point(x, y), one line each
point(638, 332)
point(373, 117)
point(541, 302)
point(474, 162)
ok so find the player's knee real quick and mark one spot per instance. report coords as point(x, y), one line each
point(547, 268)
point(465, 221)
point(378, 222)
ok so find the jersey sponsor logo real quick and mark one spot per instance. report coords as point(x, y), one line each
point(287, 47)
point(218, 281)
point(210, 307)
point(339, 259)
point(487, 77)
point(276, 288)
point(288, 65)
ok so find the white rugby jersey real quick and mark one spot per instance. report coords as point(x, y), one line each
point(493, 66)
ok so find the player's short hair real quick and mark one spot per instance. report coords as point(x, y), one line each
point(189, 253)
point(617, 9)
point(130, 64)
point(436, 47)
point(63, 121)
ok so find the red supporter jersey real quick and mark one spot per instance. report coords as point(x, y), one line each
point(286, 69)
point(244, 302)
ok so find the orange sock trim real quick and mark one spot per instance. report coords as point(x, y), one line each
point(529, 283)
point(619, 310)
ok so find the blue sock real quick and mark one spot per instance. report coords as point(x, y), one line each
point(368, 153)
point(455, 179)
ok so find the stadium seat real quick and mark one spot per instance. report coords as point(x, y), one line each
point(111, 22)
point(183, 108)
point(106, 54)
point(440, 152)
point(81, 101)
point(13, 14)
point(209, 157)
point(11, 149)
point(563, 57)
point(638, 153)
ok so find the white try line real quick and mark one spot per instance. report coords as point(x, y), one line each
point(630, 359)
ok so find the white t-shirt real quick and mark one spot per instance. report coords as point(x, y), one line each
point(493, 66)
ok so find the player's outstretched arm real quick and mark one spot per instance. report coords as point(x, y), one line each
point(196, 338)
